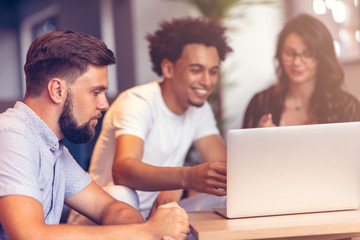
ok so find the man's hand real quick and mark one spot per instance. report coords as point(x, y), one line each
point(169, 221)
point(166, 197)
point(266, 121)
point(209, 178)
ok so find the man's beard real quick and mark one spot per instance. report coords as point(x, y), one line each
point(69, 126)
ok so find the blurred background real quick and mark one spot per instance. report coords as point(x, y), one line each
point(123, 24)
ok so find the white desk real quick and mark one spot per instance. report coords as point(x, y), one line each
point(207, 225)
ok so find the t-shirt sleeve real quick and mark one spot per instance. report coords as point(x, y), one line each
point(18, 171)
point(131, 115)
point(206, 123)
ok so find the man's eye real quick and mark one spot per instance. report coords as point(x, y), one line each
point(195, 70)
point(214, 72)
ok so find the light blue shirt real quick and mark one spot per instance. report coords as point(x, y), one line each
point(33, 163)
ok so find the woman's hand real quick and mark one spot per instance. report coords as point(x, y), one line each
point(266, 121)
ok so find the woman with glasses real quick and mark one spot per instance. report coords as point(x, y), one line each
point(310, 79)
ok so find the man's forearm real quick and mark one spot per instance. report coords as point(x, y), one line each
point(120, 213)
point(142, 176)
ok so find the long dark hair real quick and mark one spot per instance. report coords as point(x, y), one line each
point(330, 75)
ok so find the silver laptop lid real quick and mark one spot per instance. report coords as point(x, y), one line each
point(297, 169)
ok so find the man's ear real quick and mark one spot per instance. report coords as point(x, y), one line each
point(167, 68)
point(57, 90)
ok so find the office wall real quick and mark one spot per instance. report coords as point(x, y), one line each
point(250, 68)
point(10, 86)
point(146, 16)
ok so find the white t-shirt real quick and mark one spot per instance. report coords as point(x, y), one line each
point(141, 111)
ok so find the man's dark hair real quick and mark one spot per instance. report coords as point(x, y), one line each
point(169, 41)
point(62, 54)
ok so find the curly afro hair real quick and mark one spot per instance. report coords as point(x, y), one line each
point(169, 41)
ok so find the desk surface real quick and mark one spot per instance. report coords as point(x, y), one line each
point(207, 225)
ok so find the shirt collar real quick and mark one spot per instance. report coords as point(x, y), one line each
point(39, 126)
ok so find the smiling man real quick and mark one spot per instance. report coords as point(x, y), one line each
point(149, 129)
point(66, 80)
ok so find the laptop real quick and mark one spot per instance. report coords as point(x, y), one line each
point(292, 169)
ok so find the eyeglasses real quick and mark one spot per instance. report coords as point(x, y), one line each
point(290, 55)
